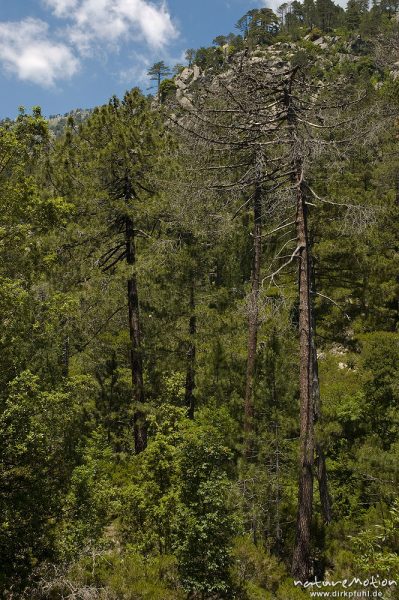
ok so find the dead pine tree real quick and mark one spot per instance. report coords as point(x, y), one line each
point(302, 548)
point(320, 459)
point(272, 106)
point(306, 114)
point(191, 351)
point(301, 557)
point(253, 310)
point(298, 101)
point(227, 125)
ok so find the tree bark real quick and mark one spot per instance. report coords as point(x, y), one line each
point(322, 478)
point(191, 353)
point(65, 357)
point(321, 470)
point(253, 323)
point(302, 560)
point(301, 564)
point(139, 424)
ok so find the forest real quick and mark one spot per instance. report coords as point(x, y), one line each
point(199, 393)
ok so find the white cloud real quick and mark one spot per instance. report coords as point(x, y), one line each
point(273, 4)
point(61, 8)
point(27, 51)
point(113, 20)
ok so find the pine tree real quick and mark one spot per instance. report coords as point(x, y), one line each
point(115, 164)
point(157, 72)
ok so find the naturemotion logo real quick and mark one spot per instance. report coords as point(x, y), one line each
point(370, 587)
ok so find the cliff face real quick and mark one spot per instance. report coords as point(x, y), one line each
point(57, 123)
point(327, 52)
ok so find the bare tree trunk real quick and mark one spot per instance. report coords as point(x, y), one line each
point(253, 322)
point(140, 428)
point(301, 564)
point(321, 470)
point(65, 357)
point(190, 375)
point(322, 478)
point(278, 493)
point(302, 560)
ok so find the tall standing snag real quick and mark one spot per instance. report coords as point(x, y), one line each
point(301, 557)
point(139, 425)
point(264, 118)
point(304, 113)
point(253, 312)
point(301, 563)
point(191, 353)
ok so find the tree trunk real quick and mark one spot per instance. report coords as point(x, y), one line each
point(301, 564)
point(322, 478)
point(140, 427)
point(65, 357)
point(190, 375)
point(253, 323)
point(321, 470)
point(301, 561)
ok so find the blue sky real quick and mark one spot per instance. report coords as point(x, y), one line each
point(65, 54)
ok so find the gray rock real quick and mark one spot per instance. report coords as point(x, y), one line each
point(186, 74)
point(183, 99)
point(256, 59)
point(185, 102)
point(196, 72)
point(180, 84)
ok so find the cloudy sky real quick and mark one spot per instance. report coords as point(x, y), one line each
point(64, 54)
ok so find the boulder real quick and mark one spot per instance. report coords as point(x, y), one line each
point(196, 72)
point(186, 74)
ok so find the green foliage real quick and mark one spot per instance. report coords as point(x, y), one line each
point(178, 502)
point(83, 515)
point(381, 363)
point(90, 503)
point(41, 432)
point(167, 88)
point(379, 547)
point(258, 26)
point(109, 575)
point(158, 72)
point(257, 573)
point(390, 91)
point(206, 525)
point(207, 58)
point(151, 501)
